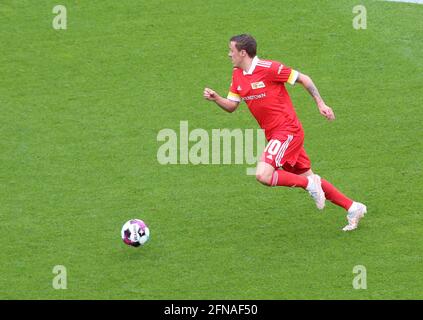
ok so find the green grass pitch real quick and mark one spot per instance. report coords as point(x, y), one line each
point(81, 109)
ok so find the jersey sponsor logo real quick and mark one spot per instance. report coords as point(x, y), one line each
point(254, 97)
point(257, 85)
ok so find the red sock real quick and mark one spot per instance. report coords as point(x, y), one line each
point(336, 196)
point(288, 179)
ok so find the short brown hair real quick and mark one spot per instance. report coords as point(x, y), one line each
point(245, 42)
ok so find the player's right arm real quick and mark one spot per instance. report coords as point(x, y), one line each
point(226, 104)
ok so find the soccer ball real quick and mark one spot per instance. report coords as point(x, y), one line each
point(135, 233)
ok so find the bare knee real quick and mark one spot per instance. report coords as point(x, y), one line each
point(264, 173)
point(264, 178)
point(307, 173)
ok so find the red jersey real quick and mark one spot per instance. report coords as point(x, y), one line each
point(263, 90)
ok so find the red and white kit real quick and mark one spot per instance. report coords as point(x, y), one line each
point(263, 90)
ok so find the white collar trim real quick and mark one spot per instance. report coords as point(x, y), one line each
point(253, 66)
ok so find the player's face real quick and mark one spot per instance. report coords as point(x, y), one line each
point(236, 56)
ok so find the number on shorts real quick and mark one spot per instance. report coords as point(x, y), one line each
point(273, 147)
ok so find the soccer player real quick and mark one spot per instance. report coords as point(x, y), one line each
point(284, 162)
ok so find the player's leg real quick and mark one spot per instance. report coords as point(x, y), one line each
point(302, 167)
point(274, 155)
point(264, 173)
point(268, 172)
point(332, 194)
point(307, 173)
point(335, 196)
point(297, 162)
point(356, 210)
point(270, 176)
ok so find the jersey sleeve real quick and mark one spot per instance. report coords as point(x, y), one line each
point(233, 93)
point(280, 73)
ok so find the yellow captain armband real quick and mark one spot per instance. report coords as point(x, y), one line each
point(234, 97)
point(293, 77)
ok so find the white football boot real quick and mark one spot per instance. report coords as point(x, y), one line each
point(315, 190)
point(355, 213)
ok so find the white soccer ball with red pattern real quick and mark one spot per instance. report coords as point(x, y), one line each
point(135, 233)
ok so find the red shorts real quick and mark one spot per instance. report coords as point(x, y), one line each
point(287, 151)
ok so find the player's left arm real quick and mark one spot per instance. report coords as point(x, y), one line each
point(309, 85)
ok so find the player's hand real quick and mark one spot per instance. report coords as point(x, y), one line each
point(210, 95)
point(326, 111)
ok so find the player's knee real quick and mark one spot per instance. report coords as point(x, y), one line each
point(264, 178)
